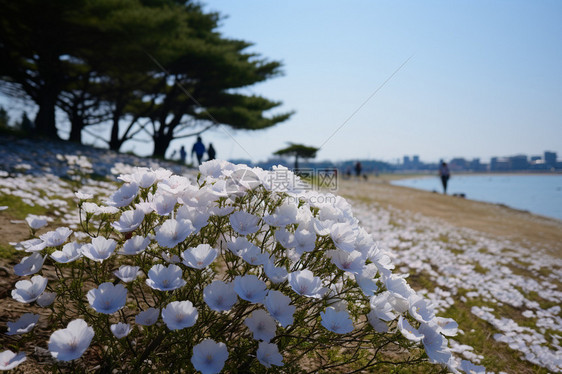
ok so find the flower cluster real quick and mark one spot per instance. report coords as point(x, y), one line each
point(223, 271)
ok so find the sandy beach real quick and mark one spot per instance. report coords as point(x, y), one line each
point(495, 270)
point(494, 219)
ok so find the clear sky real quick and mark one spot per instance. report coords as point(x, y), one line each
point(484, 79)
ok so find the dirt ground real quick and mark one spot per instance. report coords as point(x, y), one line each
point(494, 219)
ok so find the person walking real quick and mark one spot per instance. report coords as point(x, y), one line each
point(445, 175)
point(211, 152)
point(198, 149)
point(183, 154)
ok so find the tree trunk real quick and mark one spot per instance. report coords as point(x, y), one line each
point(45, 123)
point(161, 144)
point(115, 142)
point(76, 126)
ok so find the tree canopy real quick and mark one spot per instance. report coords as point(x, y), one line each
point(153, 67)
point(297, 150)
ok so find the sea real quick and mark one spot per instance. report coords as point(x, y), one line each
point(538, 194)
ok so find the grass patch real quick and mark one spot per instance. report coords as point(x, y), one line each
point(443, 238)
point(8, 252)
point(421, 280)
point(479, 335)
point(480, 269)
point(18, 209)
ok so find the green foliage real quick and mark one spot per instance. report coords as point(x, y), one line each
point(17, 209)
point(128, 64)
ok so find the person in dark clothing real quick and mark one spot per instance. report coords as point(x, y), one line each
point(183, 154)
point(358, 169)
point(445, 175)
point(198, 149)
point(211, 152)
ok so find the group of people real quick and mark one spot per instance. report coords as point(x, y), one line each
point(199, 150)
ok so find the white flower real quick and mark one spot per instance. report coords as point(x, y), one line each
point(408, 331)
point(420, 309)
point(198, 217)
point(83, 196)
point(435, 345)
point(129, 220)
point(199, 257)
point(23, 325)
point(343, 236)
point(71, 343)
point(366, 280)
point(29, 265)
point(144, 177)
point(250, 288)
point(124, 195)
point(445, 326)
point(336, 321)
point(100, 249)
point(174, 185)
point(179, 314)
point(381, 307)
point(469, 368)
point(285, 238)
point(280, 308)
point(268, 354)
point(28, 291)
point(306, 284)
point(147, 317)
point(70, 252)
point(165, 278)
point(378, 324)
point(127, 273)
point(220, 296)
point(274, 273)
point(398, 286)
point(253, 255)
point(352, 261)
point(172, 232)
point(107, 298)
point(135, 245)
point(209, 357)
point(238, 245)
point(36, 222)
point(164, 203)
point(170, 258)
point(56, 237)
point(9, 359)
point(244, 223)
point(31, 245)
point(304, 241)
point(46, 299)
point(215, 168)
point(262, 325)
point(284, 215)
point(120, 329)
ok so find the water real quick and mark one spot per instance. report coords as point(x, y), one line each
point(539, 194)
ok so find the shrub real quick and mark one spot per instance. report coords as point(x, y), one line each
point(239, 270)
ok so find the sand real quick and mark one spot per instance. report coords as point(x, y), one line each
point(498, 220)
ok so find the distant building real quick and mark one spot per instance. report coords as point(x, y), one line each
point(550, 159)
point(406, 162)
point(458, 164)
point(518, 162)
point(499, 164)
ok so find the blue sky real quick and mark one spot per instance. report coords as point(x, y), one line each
point(484, 79)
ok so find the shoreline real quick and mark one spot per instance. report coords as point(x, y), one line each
point(521, 226)
point(508, 203)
